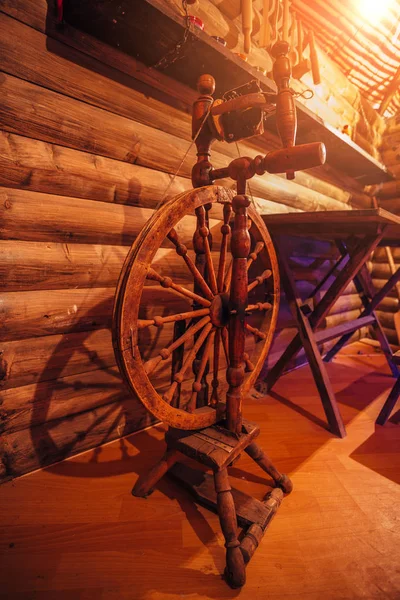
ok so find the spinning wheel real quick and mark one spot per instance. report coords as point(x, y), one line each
point(212, 350)
point(194, 398)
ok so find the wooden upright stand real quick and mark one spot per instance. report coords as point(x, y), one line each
point(217, 448)
point(225, 297)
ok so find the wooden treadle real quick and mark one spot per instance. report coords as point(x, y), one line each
point(215, 446)
point(248, 510)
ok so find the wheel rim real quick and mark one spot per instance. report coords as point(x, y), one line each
point(208, 317)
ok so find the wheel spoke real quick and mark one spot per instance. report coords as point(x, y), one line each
point(167, 282)
point(259, 306)
point(215, 381)
point(248, 364)
point(181, 250)
point(204, 360)
point(204, 232)
point(260, 279)
point(255, 331)
point(228, 277)
point(160, 321)
point(165, 353)
point(225, 344)
point(187, 362)
point(254, 254)
point(225, 230)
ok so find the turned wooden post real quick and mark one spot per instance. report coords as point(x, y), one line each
point(240, 249)
point(263, 460)
point(235, 567)
point(286, 118)
point(146, 482)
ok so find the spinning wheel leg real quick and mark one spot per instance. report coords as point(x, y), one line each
point(235, 568)
point(146, 482)
point(263, 460)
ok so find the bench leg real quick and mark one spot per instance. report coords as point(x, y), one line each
point(263, 460)
point(235, 568)
point(146, 482)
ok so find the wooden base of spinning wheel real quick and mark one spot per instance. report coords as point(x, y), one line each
point(217, 448)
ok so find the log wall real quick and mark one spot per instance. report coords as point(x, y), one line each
point(88, 142)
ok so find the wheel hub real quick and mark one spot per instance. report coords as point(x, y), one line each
point(219, 310)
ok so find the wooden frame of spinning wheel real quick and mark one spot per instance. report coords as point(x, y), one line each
point(207, 305)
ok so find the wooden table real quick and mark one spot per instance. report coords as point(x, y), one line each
point(356, 234)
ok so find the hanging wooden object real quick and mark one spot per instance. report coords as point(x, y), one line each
point(314, 59)
point(247, 24)
point(234, 297)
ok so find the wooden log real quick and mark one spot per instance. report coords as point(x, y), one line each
point(50, 312)
point(386, 318)
point(388, 189)
point(45, 266)
point(391, 336)
point(24, 451)
point(45, 217)
point(68, 122)
point(390, 204)
point(346, 303)
point(381, 270)
point(344, 317)
point(389, 304)
point(137, 142)
point(45, 167)
point(24, 362)
point(30, 405)
point(380, 255)
point(26, 55)
point(37, 15)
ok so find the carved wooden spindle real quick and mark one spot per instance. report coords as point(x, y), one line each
point(197, 386)
point(259, 306)
point(204, 233)
point(179, 377)
point(215, 381)
point(286, 118)
point(165, 353)
point(263, 460)
point(177, 359)
point(167, 282)
point(225, 230)
point(182, 250)
point(200, 241)
point(235, 567)
point(240, 249)
point(259, 279)
point(255, 331)
point(159, 321)
point(253, 255)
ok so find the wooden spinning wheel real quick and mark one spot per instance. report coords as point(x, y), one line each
point(196, 356)
point(214, 348)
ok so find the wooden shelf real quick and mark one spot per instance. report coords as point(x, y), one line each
point(148, 29)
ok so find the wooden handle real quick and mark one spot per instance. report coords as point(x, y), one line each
point(295, 158)
point(247, 23)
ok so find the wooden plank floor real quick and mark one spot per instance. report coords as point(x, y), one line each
point(73, 531)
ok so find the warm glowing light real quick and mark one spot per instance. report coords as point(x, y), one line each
point(373, 10)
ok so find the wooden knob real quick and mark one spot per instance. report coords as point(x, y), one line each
point(206, 85)
point(280, 48)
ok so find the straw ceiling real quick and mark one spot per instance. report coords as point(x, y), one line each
point(364, 43)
